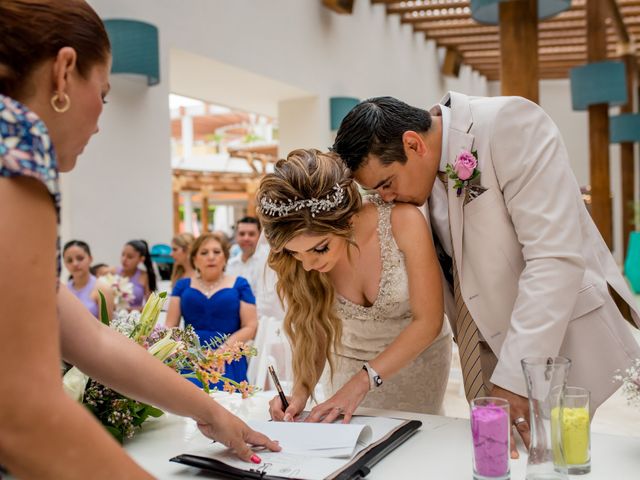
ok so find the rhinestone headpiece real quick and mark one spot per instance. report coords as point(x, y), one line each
point(281, 209)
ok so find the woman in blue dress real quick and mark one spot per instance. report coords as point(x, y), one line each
point(217, 305)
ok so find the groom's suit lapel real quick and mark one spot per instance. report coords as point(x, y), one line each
point(459, 139)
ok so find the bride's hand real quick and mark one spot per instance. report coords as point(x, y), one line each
point(344, 402)
point(296, 405)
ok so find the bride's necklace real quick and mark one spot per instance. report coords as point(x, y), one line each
point(209, 288)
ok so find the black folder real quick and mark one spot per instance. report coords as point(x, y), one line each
point(358, 467)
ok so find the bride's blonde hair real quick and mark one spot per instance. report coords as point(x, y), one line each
point(310, 320)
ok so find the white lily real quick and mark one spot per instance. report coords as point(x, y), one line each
point(74, 383)
point(149, 316)
point(164, 348)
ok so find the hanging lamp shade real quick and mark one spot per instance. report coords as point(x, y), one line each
point(134, 46)
point(624, 128)
point(339, 107)
point(597, 83)
point(487, 12)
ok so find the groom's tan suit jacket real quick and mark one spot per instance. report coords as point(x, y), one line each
point(534, 269)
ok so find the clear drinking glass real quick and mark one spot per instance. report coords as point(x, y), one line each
point(576, 429)
point(546, 379)
point(490, 431)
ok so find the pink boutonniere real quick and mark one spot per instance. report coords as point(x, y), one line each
point(464, 170)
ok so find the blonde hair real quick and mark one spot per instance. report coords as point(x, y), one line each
point(310, 320)
point(183, 241)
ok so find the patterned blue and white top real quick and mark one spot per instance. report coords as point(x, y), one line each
point(26, 150)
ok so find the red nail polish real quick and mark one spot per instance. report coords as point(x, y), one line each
point(255, 459)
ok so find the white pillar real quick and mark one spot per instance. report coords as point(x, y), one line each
point(220, 218)
point(187, 137)
point(188, 211)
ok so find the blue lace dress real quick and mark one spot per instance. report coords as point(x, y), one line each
point(215, 317)
point(26, 151)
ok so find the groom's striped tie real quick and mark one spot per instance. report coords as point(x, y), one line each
point(468, 340)
point(467, 336)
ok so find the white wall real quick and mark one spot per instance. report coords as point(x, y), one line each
point(121, 188)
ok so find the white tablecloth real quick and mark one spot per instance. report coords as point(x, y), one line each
point(440, 450)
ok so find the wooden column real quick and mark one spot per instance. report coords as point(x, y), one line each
point(519, 49)
point(252, 188)
point(204, 211)
point(627, 160)
point(176, 212)
point(599, 126)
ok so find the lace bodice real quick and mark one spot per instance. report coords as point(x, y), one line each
point(369, 330)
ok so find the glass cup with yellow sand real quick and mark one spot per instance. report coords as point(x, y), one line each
point(576, 429)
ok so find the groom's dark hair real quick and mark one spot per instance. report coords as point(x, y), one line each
point(375, 126)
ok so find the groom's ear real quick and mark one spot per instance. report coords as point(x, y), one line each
point(413, 143)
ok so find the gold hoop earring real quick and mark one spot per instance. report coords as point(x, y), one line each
point(56, 98)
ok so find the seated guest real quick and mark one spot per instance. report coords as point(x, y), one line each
point(251, 261)
point(82, 283)
point(180, 248)
point(133, 254)
point(214, 303)
point(99, 269)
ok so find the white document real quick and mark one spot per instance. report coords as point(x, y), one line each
point(335, 440)
point(307, 448)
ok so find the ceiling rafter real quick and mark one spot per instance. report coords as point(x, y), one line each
point(561, 39)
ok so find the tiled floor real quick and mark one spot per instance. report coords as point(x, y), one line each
point(615, 416)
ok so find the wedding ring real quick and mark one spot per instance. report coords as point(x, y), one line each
point(518, 421)
point(339, 409)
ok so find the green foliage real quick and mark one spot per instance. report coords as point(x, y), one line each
point(104, 312)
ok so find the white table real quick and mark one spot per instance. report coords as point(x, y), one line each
point(440, 450)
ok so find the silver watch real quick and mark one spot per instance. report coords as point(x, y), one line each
point(374, 379)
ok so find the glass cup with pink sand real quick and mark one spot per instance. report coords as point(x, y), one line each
point(490, 431)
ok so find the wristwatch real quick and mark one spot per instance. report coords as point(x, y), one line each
point(374, 379)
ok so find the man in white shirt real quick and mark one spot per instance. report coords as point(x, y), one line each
point(251, 261)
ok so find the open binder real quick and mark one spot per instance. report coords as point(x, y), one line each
point(357, 467)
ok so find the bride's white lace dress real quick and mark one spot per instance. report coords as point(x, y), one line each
point(367, 331)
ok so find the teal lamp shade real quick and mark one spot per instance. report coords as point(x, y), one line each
point(134, 46)
point(598, 83)
point(624, 128)
point(486, 11)
point(339, 107)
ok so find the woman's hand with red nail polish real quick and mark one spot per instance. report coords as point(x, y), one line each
point(232, 432)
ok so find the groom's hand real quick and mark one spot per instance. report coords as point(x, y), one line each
point(519, 409)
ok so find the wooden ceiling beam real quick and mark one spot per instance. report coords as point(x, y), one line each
point(569, 43)
point(420, 16)
point(469, 27)
point(404, 7)
point(488, 43)
point(421, 13)
point(618, 21)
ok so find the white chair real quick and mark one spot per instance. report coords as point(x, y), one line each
point(273, 349)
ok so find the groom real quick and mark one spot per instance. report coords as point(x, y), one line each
point(529, 274)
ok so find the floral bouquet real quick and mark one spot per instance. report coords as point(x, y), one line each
point(122, 289)
point(631, 382)
point(177, 348)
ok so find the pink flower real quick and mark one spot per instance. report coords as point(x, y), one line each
point(465, 164)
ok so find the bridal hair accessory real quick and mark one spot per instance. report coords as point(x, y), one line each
point(282, 209)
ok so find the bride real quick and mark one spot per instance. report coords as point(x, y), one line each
point(362, 287)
